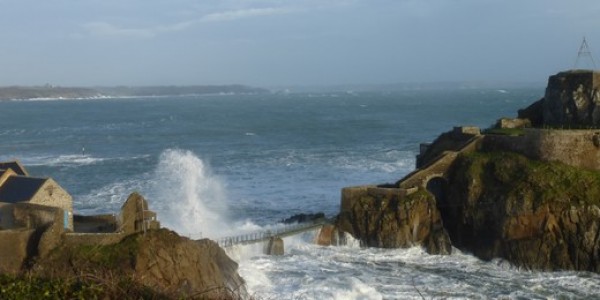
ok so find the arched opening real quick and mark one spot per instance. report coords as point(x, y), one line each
point(438, 186)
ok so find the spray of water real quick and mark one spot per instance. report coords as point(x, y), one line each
point(193, 200)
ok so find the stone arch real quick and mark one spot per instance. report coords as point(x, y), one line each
point(450, 211)
point(438, 186)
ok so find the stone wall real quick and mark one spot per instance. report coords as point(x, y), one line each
point(51, 194)
point(6, 216)
point(578, 148)
point(449, 141)
point(14, 249)
point(96, 223)
point(29, 215)
point(135, 215)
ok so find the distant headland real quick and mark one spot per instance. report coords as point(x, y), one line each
point(57, 92)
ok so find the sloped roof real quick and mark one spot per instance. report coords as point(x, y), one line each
point(2, 171)
point(20, 188)
point(15, 166)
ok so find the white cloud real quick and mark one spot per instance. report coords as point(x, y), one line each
point(106, 29)
point(244, 13)
point(110, 30)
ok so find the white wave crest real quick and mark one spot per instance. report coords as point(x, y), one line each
point(62, 160)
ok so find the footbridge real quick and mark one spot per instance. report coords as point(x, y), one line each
point(273, 237)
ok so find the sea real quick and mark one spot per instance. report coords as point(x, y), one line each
point(213, 166)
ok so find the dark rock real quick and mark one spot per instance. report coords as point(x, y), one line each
point(385, 218)
point(536, 215)
point(304, 218)
point(534, 113)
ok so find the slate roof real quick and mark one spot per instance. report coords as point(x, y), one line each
point(15, 166)
point(20, 188)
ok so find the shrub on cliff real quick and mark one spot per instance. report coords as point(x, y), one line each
point(12, 287)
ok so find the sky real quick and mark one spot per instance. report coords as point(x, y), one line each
point(284, 43)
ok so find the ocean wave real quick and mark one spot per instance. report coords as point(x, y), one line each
point(62, 160)
point(315, 272)
point(73, 160)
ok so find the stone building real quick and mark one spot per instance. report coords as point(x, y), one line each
point(36, 215)
point(16, 186)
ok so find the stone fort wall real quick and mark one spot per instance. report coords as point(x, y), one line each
point(578, 148)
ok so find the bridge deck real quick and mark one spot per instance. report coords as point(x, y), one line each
point(264, 236)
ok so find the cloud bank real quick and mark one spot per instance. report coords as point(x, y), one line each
point(105, 29)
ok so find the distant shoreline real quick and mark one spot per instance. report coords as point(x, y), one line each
point(48, 92)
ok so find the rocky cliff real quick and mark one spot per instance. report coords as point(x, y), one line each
point(160, 261)
point(386, 218)
point(572, 99)
point(539, 215)
point(530, 196)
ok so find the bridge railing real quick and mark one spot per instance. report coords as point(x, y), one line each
point(258, 236)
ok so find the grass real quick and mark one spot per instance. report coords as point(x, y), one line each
point(23, 287)
point(516, 176)
point(505, 131)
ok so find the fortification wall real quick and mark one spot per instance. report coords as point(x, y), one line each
point(519, 144)
point(578, 148)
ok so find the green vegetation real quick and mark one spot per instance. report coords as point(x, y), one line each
point(112, 257)
point(504, 131)
point(530, 182)
point(12, 287)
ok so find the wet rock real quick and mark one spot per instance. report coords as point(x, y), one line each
point(275, 246)
point(304, 218)
point(387, 218)
point(328, 236)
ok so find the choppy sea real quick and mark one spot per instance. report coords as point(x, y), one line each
point(213, 166)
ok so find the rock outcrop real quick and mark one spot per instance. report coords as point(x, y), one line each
point(159, 260)
point(385, 218)
point(528, 195)
point(537, 215)
point(572, 99)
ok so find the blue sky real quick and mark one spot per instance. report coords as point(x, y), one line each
point(300, 42)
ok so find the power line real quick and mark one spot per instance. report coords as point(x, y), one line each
point(584, 52)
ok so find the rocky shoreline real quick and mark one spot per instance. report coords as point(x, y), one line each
point(526, 190)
